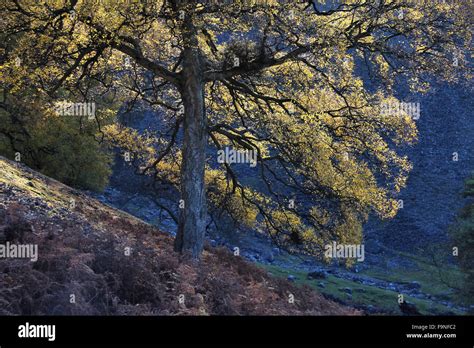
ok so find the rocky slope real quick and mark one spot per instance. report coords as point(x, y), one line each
point(442, 160)
point(94, 259)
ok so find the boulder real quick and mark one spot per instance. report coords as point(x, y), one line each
point(413, 285)
point(318, 274)
point(270, 257)
point(408, 308)
point(347, 290)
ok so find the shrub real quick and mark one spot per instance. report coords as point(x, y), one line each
point(463, 237)
point(62, 147)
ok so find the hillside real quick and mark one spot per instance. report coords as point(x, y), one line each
point(97, 260)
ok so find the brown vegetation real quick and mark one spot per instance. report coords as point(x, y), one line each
point(82, 252)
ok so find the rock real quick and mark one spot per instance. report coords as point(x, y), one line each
point(316, 275)
point(370, 309)
point(408, 308)
point(346, 290)
point(270, 257)
point(291, 278)
point(392, 286)
point(199, 300)
point(413, 285)
point(321, 285)
point(250, 255)
point(252, 258)
point(367, 282)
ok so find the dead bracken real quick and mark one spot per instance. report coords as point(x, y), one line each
point(96, 260)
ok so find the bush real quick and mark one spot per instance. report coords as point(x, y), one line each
point(62, 147)
point(463, 237)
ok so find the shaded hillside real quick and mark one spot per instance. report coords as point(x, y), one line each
point(433, 195)
point(431, 199)
point(82, 248)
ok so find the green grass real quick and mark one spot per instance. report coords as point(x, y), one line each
point(433, 280)
point(385, 301)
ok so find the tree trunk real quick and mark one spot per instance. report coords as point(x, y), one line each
point(192, 220)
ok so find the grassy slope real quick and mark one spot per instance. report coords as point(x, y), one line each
point(383, 300)
point(82, 245)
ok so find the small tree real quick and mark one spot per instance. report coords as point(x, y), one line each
point(277, 78)
point(64, 148)
point(463, 237)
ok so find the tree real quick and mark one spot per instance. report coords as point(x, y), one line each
point(275, 77)
point(462, 234)
point(61, 147)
